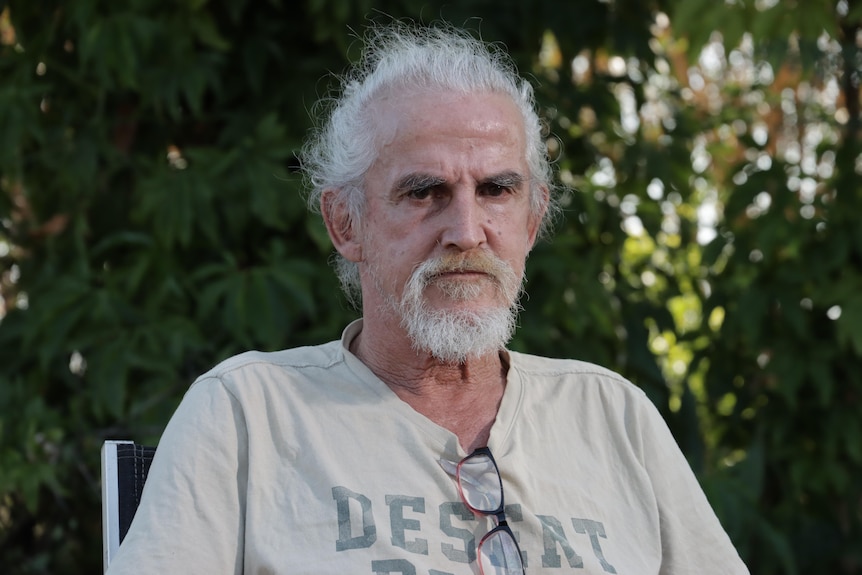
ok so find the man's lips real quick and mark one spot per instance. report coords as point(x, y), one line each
point(466, 274)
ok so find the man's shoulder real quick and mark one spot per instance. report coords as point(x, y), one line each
point(570, 371)
point(307, 357)
point(541, 365)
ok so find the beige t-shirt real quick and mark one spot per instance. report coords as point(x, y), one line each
point(304, 462)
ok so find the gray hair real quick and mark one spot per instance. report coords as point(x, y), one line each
point(339, 152)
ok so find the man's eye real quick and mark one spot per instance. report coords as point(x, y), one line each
point(419, 194)
point(434, 192)
point(495, 190)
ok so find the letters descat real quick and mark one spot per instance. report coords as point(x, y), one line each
point(562, 544)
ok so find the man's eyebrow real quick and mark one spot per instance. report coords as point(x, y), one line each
point(417, 181)
point(505, 179)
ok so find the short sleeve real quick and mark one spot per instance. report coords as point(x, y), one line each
point(693, 540)
point(191, 516)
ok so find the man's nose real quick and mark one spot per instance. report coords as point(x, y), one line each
point(464, 222)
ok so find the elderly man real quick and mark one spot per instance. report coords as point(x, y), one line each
point(418, 443)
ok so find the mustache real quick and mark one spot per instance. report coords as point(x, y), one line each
point(478, 262)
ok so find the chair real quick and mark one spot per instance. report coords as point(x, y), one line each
point(125, 465)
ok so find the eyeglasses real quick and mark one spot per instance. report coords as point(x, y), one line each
point(481, 489)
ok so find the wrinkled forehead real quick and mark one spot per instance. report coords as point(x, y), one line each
point(397, 113)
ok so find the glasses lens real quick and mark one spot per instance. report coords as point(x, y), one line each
point(499, 555)
point(480, 483)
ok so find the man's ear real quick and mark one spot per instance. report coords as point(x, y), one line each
point(341, 227)
point(535, 221)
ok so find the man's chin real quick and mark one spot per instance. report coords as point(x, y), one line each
point(462, 295)
point(459, 289)
point(453, 335)
point(465, 308)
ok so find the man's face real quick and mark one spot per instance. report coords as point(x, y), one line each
point(450, 185)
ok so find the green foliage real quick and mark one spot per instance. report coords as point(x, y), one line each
point(152, 223)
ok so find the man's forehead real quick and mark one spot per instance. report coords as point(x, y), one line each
point(394, 107)
point(448, 136)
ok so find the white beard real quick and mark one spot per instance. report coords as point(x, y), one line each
point(452, 336)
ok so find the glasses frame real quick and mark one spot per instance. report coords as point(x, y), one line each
point(498, 513)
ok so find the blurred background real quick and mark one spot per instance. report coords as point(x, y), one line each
point(152, 223)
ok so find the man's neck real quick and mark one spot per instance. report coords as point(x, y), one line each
point(461, 397)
